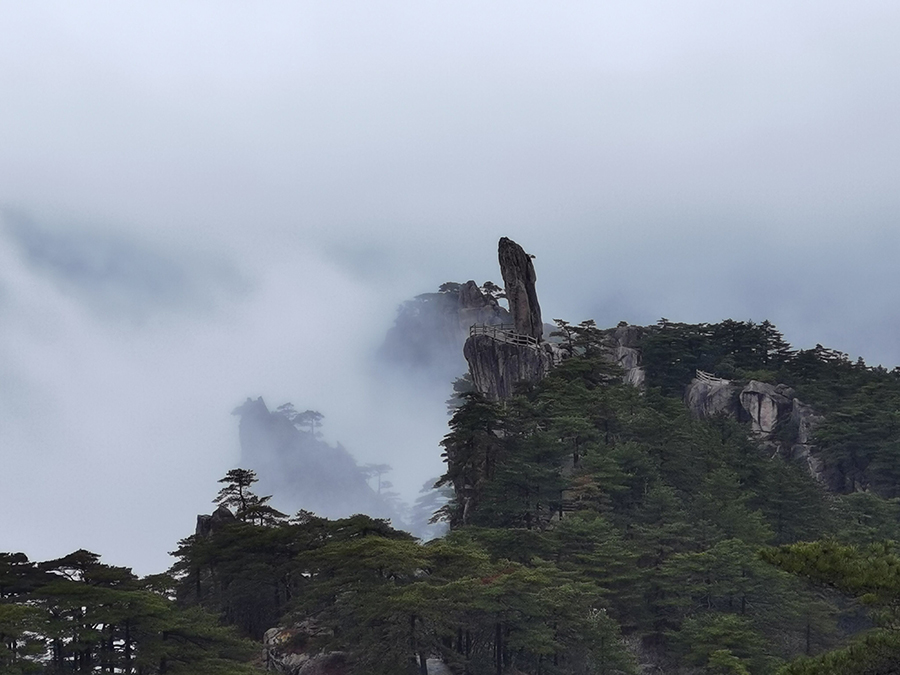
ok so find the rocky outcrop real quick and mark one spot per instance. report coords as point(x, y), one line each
point(477, 307)
point(804, 419)
point(284, 651)
point(497, 367)
point(502, 357)
point(207, 525)
point(707, 396)
point(621, 346)
point(519, 278)
point(768, 408)
point(766, 405)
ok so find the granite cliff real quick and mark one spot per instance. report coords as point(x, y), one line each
point(502, 357)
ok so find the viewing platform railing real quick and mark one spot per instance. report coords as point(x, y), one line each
point(703, 376)
point(503, 332)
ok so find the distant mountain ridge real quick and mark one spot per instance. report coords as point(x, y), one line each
point(304, 471)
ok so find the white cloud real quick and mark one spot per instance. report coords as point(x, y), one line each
point(696, 160)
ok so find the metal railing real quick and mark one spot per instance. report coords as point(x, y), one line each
point(709, 378)
point(503, 332)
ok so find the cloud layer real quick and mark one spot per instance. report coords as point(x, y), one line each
point(214, 200)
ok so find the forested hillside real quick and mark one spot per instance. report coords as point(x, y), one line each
point(596, 528)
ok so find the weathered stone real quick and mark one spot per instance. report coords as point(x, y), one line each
point(476, 307)
point(804, 419)
point(206, 525)
point(765, 404)
point(500, 359)
point(519, 278)
point(707, 397)
point(497, 367)
point(621, 347)
point(283, 651)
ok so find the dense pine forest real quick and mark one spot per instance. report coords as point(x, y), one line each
point(595, 528)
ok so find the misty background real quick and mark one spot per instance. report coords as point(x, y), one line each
point(207, 201)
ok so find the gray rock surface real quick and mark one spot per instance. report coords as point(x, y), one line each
point(621, 346)
point(805, 420)
point(206, 525)
point(476, 307)
point(766, 404)
point(437, 667)
point(497, 367)
point(519, 278)
point(280, 655)
point(707, 397)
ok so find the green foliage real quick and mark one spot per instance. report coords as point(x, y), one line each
point(585, 516)
point(76, 614)
point(247, 506)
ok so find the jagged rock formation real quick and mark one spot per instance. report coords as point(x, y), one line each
point(763, 405)
point(766, 405)
point(430, 330)
point(281, 654)
point(767, 408)
point(303, 470)
point(622, 347)
point(477, 307)
point(207, 525)
point(497, 367)
point(804, 419)
point(707, 396)
point(499, 359)
point(519, 279)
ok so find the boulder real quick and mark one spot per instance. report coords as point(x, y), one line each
point(519, 278)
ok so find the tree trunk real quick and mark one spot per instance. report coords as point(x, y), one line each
point(128, 647)
point(498, 647)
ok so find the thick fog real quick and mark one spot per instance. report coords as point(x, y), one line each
point(207, 201)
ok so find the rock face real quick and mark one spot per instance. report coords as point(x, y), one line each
point(496, 367)
point(499, 359)
point(283, 652)
point(519, 278)
point(206, 525)
point(708, 396)
point(766, 404)
point(622, 347)
point(805, 420)
point(765, 407)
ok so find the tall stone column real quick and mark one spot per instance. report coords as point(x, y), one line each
point(519, 278)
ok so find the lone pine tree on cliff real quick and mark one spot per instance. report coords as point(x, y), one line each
point(247, 506)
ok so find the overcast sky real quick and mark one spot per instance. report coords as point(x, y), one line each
point(204, 201)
